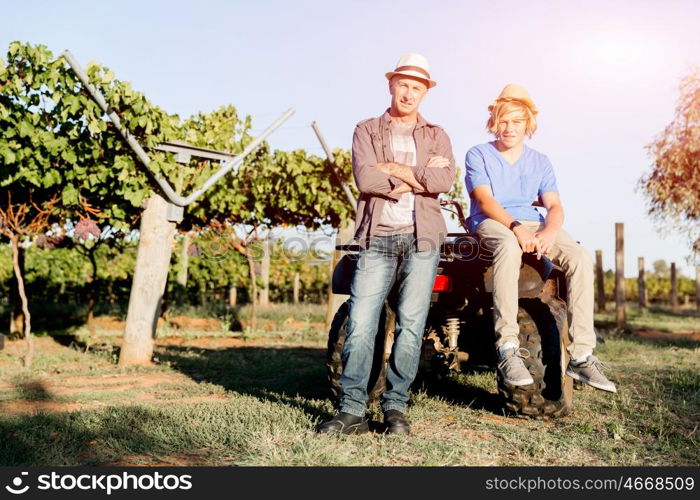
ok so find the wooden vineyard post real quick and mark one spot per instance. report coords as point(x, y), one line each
point(16, 312)
point(674, 287)
point(620, 275)
point(297, 287)
point(642, 284)
point(232, 296)
point(184, 260)
point(264, 291)
point(599, 280)
point(697, 288)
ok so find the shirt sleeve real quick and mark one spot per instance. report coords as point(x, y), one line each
point(549, 181)
point(438, 180)
point(368, 178)
point(476, 170)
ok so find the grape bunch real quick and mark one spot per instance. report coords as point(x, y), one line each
point(51, 241)
point(85, 228)
point(194, 250)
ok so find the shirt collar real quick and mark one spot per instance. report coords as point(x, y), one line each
point(422, 122)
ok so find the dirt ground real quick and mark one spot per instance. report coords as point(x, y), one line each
point(112, 323)
point(186, 323)
point(648, 334)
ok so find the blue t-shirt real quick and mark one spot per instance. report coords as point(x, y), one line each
point(515, 186)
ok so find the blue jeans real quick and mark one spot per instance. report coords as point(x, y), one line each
point(387, 261)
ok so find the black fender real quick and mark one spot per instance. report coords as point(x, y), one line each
point(343, 273)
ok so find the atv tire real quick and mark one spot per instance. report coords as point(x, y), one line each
point(334, 361)
point(544, 333)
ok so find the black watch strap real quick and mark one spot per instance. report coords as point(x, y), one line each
point(514, 224)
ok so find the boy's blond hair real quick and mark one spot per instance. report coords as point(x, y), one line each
point(504, 106)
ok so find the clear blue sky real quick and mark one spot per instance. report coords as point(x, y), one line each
point(603, 74)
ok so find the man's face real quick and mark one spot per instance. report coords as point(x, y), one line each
point(406, 94)
point(511, 128)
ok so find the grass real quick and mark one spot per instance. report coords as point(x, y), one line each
point(654, 318)
point(259, 401)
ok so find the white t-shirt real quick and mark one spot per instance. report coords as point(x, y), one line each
point(400, 217)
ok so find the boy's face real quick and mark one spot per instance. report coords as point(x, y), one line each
point(511, 128)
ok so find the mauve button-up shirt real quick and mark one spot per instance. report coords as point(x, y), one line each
point(371, 144)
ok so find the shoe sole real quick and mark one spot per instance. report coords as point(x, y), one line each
point(519, 383)
point(602, 387)
point(400, 429)
point(395, 432)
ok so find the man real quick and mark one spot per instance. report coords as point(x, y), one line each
point(503, 178)
point(400, 163)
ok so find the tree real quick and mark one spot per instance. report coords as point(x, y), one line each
point(34, 148)
point(672, 188)
point(61, 159)
point(247, 198)
point(16, 222)
point(58, 158)
point(661, 268)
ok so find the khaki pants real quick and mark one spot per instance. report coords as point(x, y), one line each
point(566, 253)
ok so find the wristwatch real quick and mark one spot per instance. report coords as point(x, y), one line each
point(514, 224)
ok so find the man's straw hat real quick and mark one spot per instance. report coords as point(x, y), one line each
point(414, 65)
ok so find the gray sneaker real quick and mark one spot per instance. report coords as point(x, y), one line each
point(513, 369)
point(591, 372)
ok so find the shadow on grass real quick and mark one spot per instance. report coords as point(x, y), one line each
point(84, 438)
point(461, 394)
point(33, 391)
point(49, 317)
point(294, 376)
point(291, 376)
point(67, 339)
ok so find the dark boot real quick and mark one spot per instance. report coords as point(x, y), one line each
point(344, 423)
point(395, 423)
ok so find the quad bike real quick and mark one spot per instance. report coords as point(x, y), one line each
point(459, 330)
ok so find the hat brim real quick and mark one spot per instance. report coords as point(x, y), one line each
point(524, 101)
point(412, 74)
